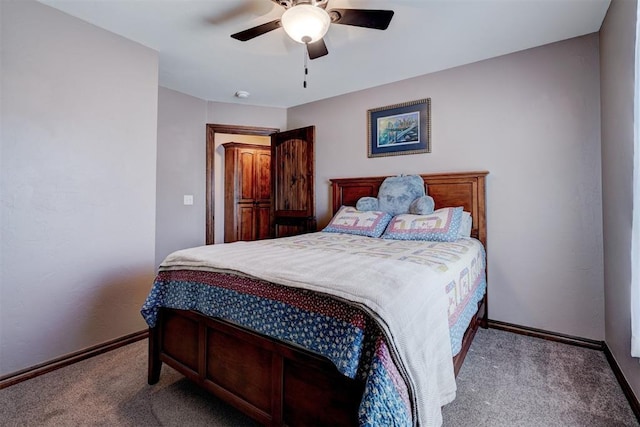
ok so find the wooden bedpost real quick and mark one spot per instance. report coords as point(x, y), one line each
point(154, 356)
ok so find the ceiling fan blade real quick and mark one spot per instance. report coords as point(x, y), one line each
point(245, 35)
point(317, 49)
point(369, 18)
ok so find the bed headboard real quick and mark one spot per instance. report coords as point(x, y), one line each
point(466, 189)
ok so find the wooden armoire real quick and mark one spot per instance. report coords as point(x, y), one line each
point(247, 200)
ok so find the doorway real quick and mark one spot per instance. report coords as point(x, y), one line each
point(211, 171)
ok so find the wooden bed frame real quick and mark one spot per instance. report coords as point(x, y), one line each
point(277, 383)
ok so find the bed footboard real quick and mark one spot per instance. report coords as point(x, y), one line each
point(272, 382)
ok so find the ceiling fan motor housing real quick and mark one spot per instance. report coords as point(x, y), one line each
point(290, 3)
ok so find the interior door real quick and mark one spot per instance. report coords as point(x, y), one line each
point(292, 182)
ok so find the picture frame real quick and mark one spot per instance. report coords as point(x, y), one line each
point(399, 129)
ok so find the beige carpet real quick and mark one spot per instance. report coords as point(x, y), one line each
point(507, 380)
point(111, 390)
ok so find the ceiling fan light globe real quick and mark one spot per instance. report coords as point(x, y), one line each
point(305, 23)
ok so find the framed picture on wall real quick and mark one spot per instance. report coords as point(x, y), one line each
point(400, 129)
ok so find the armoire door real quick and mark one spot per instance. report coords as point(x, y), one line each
point(262, 195)
point(292, 182)
point(247, 192)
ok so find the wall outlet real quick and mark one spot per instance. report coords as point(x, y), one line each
point(188, 199)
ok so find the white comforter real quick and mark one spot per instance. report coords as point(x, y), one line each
point(407, 298)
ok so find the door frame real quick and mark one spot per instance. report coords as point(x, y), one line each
point(212, 129)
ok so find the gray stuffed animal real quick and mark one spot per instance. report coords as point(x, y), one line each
point(399, 195)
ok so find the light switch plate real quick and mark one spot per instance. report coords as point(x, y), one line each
point(188, 199)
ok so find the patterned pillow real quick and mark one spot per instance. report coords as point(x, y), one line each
point(441, 226)
point(364, 223)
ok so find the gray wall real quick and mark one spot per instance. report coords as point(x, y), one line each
point(617, 67)
point(181, 164)
point(79, 117)
point(532, 119)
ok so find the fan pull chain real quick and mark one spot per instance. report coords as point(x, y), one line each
point(306, 70)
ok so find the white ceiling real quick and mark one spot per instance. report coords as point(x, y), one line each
point(198, 57)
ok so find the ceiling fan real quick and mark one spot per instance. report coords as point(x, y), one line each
point(307, 21)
